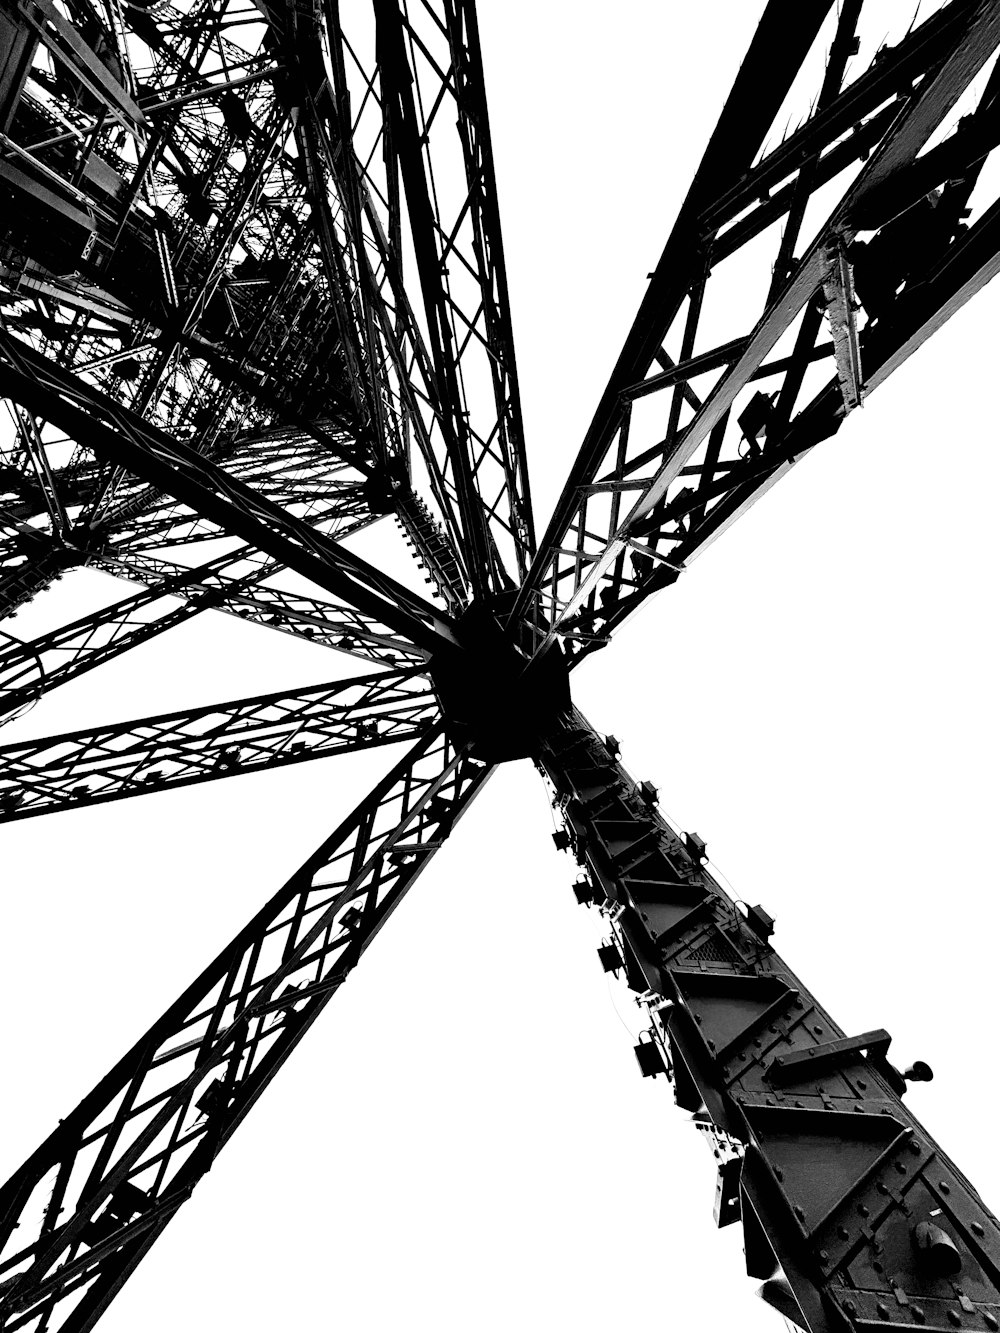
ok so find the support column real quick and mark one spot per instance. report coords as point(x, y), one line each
point(853, 1217)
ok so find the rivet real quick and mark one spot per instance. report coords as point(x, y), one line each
point(991, 1322)
point(843, 1232)
point(863, 1209)
point(862, 1084)
point(918, 1314)
point(778, 1173)
point(914, 1146)
point(900, 1167)
point(882, 1311)
point(799, 1213)
point(882, 1187)
point(978, 1229)
point(850, 1307)
point(944, 1187)
point(824, 1255)
point(953, 1316)
point(799, 1104)
point(818, 1031)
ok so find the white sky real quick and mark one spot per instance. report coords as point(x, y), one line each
point(464, 1142)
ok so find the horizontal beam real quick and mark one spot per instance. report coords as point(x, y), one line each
point(135, 758)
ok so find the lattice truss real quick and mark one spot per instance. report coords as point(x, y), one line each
point(252, 302)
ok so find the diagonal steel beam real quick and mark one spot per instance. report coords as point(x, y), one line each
point(117, 434)
point(459, 260)
point(758, 92)
point(907, 137)
point(84, 1208)
point(216, 741)
point(321, 622)
point(397, 84)
point(852, 1215)
point(31, 668)
point(653, 500)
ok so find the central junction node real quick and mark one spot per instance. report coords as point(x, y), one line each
point(492, 694)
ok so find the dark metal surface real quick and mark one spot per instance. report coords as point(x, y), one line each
point(83, 1210)
point(837, 1177)
point(253, 295)
point(643, 501)
point(217, 741)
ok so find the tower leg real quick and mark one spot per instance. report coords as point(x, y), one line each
point(81, 1212)
point(853, 1216)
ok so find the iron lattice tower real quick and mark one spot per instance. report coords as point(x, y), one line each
point(253, 294)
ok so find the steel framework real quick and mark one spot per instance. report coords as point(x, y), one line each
point(253, 300)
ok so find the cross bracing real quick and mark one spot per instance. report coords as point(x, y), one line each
point(881, 232)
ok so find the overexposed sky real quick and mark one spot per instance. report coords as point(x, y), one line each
point(464, 1142)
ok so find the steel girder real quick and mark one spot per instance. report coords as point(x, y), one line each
point(125, 438)
point(853, 1216)
point(700, 417)
point(216, 741)
point(321, 622)
point(178, 289)
point(391, 113)
point(30, 668)
point(31, 557)
point(461, 273)
point(220, 310)
point(84, 1209)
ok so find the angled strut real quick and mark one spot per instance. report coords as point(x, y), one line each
point(853, 1217)
point(79, 1215)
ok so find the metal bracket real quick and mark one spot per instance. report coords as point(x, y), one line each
point(796, 1065)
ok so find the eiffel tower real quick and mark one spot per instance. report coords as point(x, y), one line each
point(253, 302)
